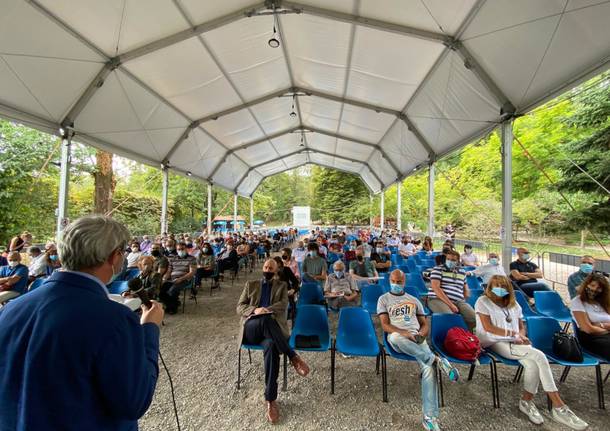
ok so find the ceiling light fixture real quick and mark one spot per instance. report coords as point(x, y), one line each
point(274, 42)
point(293, 113)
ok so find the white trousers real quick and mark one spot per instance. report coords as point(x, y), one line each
point(536, 368)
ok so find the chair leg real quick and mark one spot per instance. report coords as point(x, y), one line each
point(564, 374)
point(238, 368)
point(250, 356)
point(384, 376)
point(549, 405)
point(600, 387)
point(377, 360)
point(606, 378)
point(471, 372)
point(183, 299)
point(518, 374)
point(494, 384)
point(332, 368)
point(285, 385)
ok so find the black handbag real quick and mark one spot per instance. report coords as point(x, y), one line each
point(566, 347)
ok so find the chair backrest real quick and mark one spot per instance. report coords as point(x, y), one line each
point(355, 323)
point(428, 263)
point(118, 287)
point(370, 296)
point(311, 293)
point(474, 295)
point(131, 273)
point(473, 282)
point(540, 331)
point(525, 306)
point(412, 265)
point(440, 324)
point(416, 280)
point(548, 302)
point(311, 320)
point(417, 258)
point(404, 268)
point(37, 283)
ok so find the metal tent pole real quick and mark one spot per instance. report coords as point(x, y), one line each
point(399, 206)
point(235, 212)
point(506, 132)
point(371, 212)
point(64, 181)
point(251, 212)
point(165, 172)
point(431, 200)
point(382, 210)
point(209, 209)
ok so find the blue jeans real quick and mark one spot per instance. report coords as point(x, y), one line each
point(426, 359)
point(530, 288)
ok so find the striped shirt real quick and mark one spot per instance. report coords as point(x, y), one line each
point(452, 282)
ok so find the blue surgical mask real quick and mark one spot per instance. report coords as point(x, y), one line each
point(182, 253)
point(493, 260)
point(587, 268)
point(526, 256)
point(397, 289)
point(313, 254)
point(339, 274)
point(450, 264)
point(499, 291)
point(53, 257)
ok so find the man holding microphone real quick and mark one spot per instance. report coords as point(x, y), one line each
point(72, 359)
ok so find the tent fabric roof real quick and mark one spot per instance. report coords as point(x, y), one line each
point(380, 88)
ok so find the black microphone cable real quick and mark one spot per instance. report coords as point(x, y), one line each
point(171, 386)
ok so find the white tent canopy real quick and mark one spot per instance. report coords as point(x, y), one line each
point(380, 87)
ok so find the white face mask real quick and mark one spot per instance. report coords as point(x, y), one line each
point(13, 263)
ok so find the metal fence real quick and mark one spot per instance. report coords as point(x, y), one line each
point(557, 267)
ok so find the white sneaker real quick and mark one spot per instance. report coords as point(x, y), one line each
point(565, 416)
point(530, 410)
point(430, 424)
point(448, 369)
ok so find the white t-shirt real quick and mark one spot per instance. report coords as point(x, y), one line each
point(132, 259)
point(470, 259)
point(488, 270)
point(595, 312)
point(498, 316)
point(299, 254)
point(407, 249)
point(402, 310)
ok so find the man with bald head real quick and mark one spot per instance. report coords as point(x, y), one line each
point(13, 278)
point(262, 308)
point(404, 323)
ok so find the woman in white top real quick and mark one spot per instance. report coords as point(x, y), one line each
point(500, 329)
point(468, 257)
point(591, 311)
point(134, 255)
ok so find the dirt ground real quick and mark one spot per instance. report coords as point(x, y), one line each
point(199, 347)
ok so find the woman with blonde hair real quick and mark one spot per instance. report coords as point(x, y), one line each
point(500, 328)
point(591, 311)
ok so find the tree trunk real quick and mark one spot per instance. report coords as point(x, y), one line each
point(104, 182)
point(583, 236)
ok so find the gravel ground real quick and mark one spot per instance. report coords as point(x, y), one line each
point(199, 347)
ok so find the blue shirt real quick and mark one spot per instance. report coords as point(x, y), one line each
point(265, 300)
point(22, 272)
point(72, 359)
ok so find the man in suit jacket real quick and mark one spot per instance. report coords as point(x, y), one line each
point(72, 359)
point(262, 307)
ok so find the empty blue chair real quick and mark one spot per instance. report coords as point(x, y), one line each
point(525, 306)
point(312, 320)
point(428, 263)
point(310, 293)
point(131, 273)
point(37, 283)
point(440, 325)
point(549, 303)
point(118, 287)
point(370, 296)
point(417, 281)
point(404, 268)
point(474, 295)
point(417, 258)
point(473, 282)
point(540, 331)
point(356, 337)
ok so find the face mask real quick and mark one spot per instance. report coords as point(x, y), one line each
point(182, 253)
point(135, 250)
point(499, 291)
point(339, 274)
point(206, 250)
point(397, 289)
point(493, 260)
point(468, 251)
point(53, 257)
point(587, 268)
point(526, 256)
point(379, 249)
point(268, 275)
point(591, 294)
point(284, 257)
point(155, 253)
point(13, 263)
point(313, 254)
point(360, 258)
point(450, 264)
point(170, 249)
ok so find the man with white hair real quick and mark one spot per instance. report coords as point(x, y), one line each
point(13, 278)
point(71, 357)
point(340, 288)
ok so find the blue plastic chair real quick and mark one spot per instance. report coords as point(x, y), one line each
point(131, 273)
point(37, 283)
point(417, 258)
point(356, 337)
point(370, 296)
point(525, 306)
point(310, 293)
point(474, 295)
point(118, 287)
point(540, 331)
point(417, 281)
point(440, 325)
point(428, 263)
point(311, 320)
point(473, 282)
point(404, 268)
point(249, 348)
point(550, 304)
